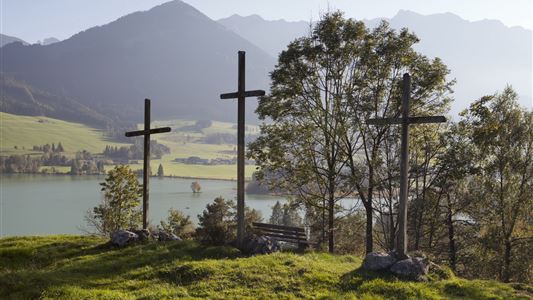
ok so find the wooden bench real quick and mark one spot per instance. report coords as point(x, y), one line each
point(289, 234)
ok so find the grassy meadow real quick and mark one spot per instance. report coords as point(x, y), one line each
point(83, 267)
point(23, 132)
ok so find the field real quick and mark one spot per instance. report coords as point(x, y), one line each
point(82, 267)
point(23, 132)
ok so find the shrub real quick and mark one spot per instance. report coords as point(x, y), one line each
point(178, 223)
point(217, 225)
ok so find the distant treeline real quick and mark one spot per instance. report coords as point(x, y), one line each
point(135, 151)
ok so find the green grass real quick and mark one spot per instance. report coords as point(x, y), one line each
point(76, 267)
point(26, 131)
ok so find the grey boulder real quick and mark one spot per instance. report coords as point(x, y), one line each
point(377, 261)
point(411, 268)
point(165, 236)
point(122, 238)
point(260, 245)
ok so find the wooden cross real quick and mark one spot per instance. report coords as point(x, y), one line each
point(241, 94)
point(405, 120)
point(146, 155)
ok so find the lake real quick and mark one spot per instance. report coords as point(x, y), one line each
point(56, 204)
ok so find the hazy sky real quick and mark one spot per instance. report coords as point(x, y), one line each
point(34, 20)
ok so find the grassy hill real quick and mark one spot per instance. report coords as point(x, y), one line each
point(27, 131)
point(23, 132)
point(77, 267)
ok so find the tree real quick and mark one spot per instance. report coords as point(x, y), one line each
point(301, 145)
point(277, 214)
point(195, 187)
point(160, 171)
point(120, 206)
point(60, 148)
point(502, 133)
point(324, 88)
point(217, 225)
point(178, 223)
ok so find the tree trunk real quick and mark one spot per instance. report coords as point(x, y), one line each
point(331, 215)
point(507, 261)
point(369, 238)
point(452, 252)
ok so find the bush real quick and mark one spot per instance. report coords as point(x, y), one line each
point(178, 223)
point(217, 225)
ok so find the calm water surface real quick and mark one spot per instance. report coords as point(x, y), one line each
point(56, 204)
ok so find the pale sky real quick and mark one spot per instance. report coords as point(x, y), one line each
point(33, 20)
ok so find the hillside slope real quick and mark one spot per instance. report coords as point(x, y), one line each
point(28, 131)
point(75, 267)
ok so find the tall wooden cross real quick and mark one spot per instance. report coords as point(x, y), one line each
point(241, 94)
point(405, 120)
point(146, 155)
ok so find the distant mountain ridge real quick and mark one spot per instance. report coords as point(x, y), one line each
point(172, 53)
point(484, 56)
point(6, 39)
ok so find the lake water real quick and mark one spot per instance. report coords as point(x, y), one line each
point(56, 204)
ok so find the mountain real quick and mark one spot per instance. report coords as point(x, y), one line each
point(49, 41)
point(271, 36)
point(172, 53)
point(6, 39)
point(483, 56)
point(22, 99)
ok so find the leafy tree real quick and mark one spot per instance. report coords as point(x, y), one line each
point(502, 133)
point(196, 187)
point(119, 208)
point(160, 171)
point(178, 223)
point(301, 145)
point(277, 214)
point(324, 88)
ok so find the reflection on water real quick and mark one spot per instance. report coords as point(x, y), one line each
point(56, 204)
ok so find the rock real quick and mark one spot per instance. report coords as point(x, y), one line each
point(377, 261)
point(122, 238)
point(411, 268)
point(144, 234)
point(260, 245)
point(165, 236)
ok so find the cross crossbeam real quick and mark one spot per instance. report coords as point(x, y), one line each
point(405, 121)
point(241, 95)
point(147, 132)
point(146, 155)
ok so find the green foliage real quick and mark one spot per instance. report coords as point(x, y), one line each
point(217, 225)
point(160, 171)
point(178, 223)
point(120, 206)
point(285, 214)
point(324, 88)
point(82, 267)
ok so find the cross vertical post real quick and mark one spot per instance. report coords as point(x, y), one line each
point(240, 149)
point(241, 95)
point(146, 163)
point(401, 245)
point(405, 121)
point(146, 156)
